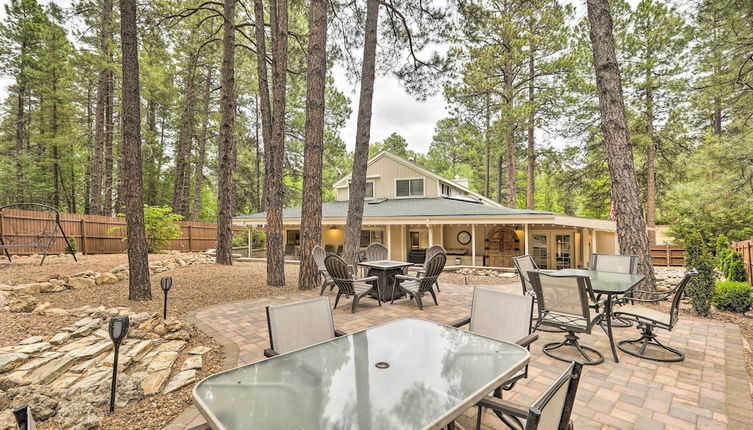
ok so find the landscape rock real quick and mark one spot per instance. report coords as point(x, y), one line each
point(179, 335)
point(153, 321)
point(21, 303)
point(42, 309)
point(42, 359)
point(79, 414)
point(33, 348)
point(173, 345)
point(7, 420)
point(153, 383)
point(181, 380)
point(172, 325)
point(56, 311)
point(91, 351)
point(192, 362)
point(138, 351)
point(90, 381)
point(59, 338)
point(11, 360)
point(106, 278)
point(51, 370)
point(42, 405)
point(160, 330)
point(130, 388)
point(199, 350)
point(163, 360)
point(30, 289)
point(12, 380)
point(77, 282)
point(30, 340)
point(137, 319)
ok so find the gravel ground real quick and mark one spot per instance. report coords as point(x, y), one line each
point(16, 327)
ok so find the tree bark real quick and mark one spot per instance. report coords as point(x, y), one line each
point(152, 170)
point(275, 191)
point(650, 167)
point(97, 173)
point(512, 176)
point(109, 185)
point(530, 150)
point(488, 149)
point(363, 134)
point(311, 212)
point(183, 150)
point(139, 287)
point(265, 109)
point(631, 227)
point(20, 129)
point(202, 149)
point(225, 180)
point(89, 145)
point(55, 151)
point(500, 171)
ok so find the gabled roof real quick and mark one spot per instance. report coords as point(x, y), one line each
point(342, 182)
point(406, 208)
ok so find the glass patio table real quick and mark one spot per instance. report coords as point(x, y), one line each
point(608, 283)
point(404, 374)
point(386, 271)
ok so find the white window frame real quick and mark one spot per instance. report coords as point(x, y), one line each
point(409, 196)
point(445, 185)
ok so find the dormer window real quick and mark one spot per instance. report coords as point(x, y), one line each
point(369, 194)
point(446, 190)
point(409, 187)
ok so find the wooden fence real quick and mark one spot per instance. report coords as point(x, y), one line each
point(746, 249)
point(668, 255)
point(97, 234)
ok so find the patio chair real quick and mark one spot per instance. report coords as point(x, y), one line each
point(297, 325)
point(551, 411)
point(415, 286)
point(648, 319)
point(564, 304)
point(430, 253)
point(377, 252)
point(319, 255)
point(342, 275)
point(502, 316)
point(614, 263)
point(524, 264)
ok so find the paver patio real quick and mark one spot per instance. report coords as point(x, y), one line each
point(708, 390)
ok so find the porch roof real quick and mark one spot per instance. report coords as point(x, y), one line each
point(406, 208)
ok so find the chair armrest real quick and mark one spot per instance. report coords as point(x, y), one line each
point(531, 338)
point(504, 406)
point(368, 279)
point(339, 333)
point(407, 278)
point(461, 322)
point(270, 353)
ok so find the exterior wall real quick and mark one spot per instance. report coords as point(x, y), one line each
point(606, 242)
point(388, 171)
point(342, 194)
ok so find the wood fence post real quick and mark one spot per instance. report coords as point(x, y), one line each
point(190, 239)
point(83, 236)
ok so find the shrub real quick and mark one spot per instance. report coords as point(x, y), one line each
point(160, 224)
point(736, 272)
point(722, 245)
point(259, 239)
point(733, 296)
point(72, 247)
point(701, 287)
point(732, 258)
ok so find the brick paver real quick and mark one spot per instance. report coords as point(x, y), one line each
point(709, 389)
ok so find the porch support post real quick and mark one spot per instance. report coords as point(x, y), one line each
point(473, 245)
point(431, 233)
point(525, 237)
point(593, 241)
point(389, 241)
point(250, 239)
point(404, 241)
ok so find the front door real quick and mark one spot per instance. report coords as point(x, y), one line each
point(502, 244)
point(563, 251)
point(552, 250)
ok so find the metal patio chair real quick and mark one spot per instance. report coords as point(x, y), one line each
point(614, 263)
point(550, 412)
point(415, 286)
point(502, 316)
point(564, 304)
point(319, 255)
point(524, 264)
point(342, 275)
point(648, 319)
point(430, 253)
point(297, 325)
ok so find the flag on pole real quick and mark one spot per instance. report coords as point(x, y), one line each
point(612, 212)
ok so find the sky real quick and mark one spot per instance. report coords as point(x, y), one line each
point(394, 111)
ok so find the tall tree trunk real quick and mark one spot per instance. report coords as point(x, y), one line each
point(225, 180)
point(275, 191)
point(500, 171)
point(139, 287)
point(151, 139)
point(265, 110)
point(107, 208)
point(716, 117)
point(530, 150)
point(185, 135)
point(650, 168)
point(258, 197)
point(631, 227)
point(97, 173)
point(20, 129)
point(363, 134)
point(55, 151)
point(311, 212)
point(488, 148)
point(512, 174)
point(89, 146)
point(202, 149)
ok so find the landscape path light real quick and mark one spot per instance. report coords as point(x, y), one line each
point(166, 283)
point(118, 329)
point(24, 419)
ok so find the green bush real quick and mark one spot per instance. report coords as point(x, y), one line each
point(259, 239)
point(701, 287)
point(736, 272)
point(733, 296)
point(732, 258)
point(72, 247)
point(160, 224)
point(722, 245)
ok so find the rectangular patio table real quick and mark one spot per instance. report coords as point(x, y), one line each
point(386, 271)
point(611, 284)
point(406, 374)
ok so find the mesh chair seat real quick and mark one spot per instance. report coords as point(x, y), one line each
point(571, 321)
point(296, 325)
point(643, 314)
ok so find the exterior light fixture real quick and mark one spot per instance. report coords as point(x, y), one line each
point(166, 283)
point(24, 419)
point(118, 329)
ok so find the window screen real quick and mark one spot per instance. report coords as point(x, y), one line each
point(410, 187)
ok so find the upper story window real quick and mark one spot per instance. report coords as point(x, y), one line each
point(409, 187)
point(369, 194)
point(446, 190)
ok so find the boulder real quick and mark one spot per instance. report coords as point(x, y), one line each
point(11, 360)
point(79, 414)
point(138, 319)
point(179, 335)
point(163, 360)
point(192, 362)
point(160, 330)
point(7, 420)
point(153, 383)
point(77, 282)
point(151, 323)
point(59, 338)
point(22, 303)
point(12, 380)
point(173, 325)
point(30, 289)
point(107, 278)
point(181, 380)
point(42, 405)
point(42, 309)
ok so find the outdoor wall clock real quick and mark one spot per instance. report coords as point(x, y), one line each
point(464, 237)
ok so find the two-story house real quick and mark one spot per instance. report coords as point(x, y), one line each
point(410, 208)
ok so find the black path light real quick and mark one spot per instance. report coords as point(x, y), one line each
point(166, 283)
point(24, 419)
point(118, 329)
